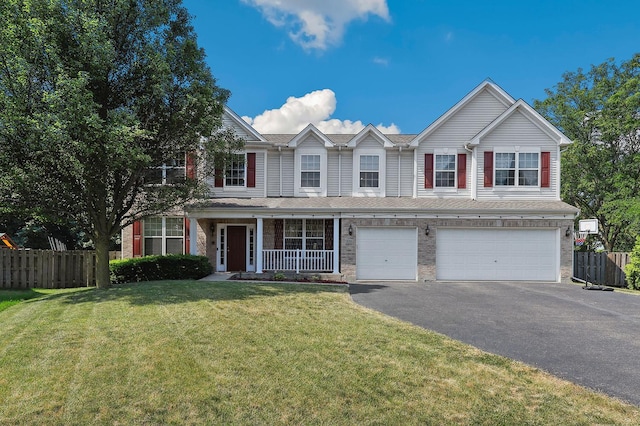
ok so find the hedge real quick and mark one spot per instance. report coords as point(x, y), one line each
point(151, 268)
point(632, 269)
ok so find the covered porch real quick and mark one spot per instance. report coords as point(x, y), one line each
point(296, 243)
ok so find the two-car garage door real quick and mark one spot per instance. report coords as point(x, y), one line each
point(497, 254)
point(391, 253)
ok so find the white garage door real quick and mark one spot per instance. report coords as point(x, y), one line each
point(497, 254)
point(386, 253)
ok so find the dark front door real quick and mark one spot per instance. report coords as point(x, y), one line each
point(237, 248)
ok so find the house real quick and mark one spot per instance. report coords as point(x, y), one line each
point(475, 196)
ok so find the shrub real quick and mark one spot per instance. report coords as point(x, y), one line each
point(151, 268)
point(632, 270)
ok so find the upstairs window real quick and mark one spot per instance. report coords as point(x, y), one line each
point(235, 171)
point(310, 171)
point(517, 169)
point(369, 171)
point(445, 171)
point(168, 173)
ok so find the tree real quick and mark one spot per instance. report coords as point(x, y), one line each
point(93, 95)
point(600, 111)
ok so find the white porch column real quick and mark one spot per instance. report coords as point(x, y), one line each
point(193, 236)
point(259, 231)
point(336, 245)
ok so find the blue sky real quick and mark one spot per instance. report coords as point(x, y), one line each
point(399, 64)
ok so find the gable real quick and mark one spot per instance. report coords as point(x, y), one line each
point(469, 116)
point(372, 137)
point(310, 140)
point(524, 122)
point(518, 129)
point(231, 120)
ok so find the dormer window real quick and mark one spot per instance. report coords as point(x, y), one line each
point(369, 171)
point(310, 177)
point(310, 171)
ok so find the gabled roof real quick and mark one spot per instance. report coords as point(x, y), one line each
point(488, 85)
point(243, 124)
point(310, 130)
point(532, 115)
point(375, 132)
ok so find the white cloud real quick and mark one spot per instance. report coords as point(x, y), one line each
point(315, 108)
point(318, 24)
point(381, 61)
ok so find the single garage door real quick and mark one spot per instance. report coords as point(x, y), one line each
point(497, 254)
point(386, 253)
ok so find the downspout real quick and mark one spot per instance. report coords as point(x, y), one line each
point(399, 174)
point(415, 173)
point(280, 165)
point(340, 171)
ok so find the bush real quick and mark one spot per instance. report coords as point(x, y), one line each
point(632, 270)
point(151, 268)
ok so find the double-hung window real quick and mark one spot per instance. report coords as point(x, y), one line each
point(517, 168)
point(445, 170)
point(172, 171)
point(369, 171)
point(304, 234)
point(163, 235)
point(235, 171)
point(310, 171)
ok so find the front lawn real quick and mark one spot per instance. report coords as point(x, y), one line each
point(13, 297)
point(191, 352)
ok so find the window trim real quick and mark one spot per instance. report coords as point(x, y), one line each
point(163, 237)
point(448, 152)
point(304, 237)
point(164, 167)
point(303, 191)
point(227, 187)
point(314, 170)
point(516, 186)
point(382, 166)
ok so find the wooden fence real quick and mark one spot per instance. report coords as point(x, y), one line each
point(601, 268)
point(47, 269)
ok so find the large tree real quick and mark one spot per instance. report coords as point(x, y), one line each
point(600, 111)
point(93, 95)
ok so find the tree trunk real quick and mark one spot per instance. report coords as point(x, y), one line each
point(102, 261)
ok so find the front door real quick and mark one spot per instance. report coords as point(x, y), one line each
point(236, 248)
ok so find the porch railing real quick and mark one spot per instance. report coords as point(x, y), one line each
point(298, 260)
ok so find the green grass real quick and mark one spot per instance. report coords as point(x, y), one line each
point(13, 297)
point(188, 352)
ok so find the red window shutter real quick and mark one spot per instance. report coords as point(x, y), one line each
point(488, 169)
point(428, 170)
point(191, 167)
point(251, 170)
point(137, 238)
point(218, 178)
point(462, 171)
point(187, 236)
point(545, 159)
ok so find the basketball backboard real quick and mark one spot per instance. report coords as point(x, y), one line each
point(588, 225)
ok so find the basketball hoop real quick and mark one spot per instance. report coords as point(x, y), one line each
point(580, 237)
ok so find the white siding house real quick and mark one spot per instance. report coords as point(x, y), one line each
point(475, 196)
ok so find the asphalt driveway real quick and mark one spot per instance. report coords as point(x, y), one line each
point(589, 337)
